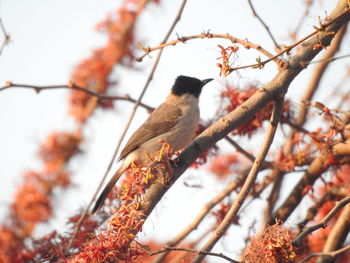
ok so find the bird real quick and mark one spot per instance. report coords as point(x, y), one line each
point(175, 122)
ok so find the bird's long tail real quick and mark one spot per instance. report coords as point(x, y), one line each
point(107, 190)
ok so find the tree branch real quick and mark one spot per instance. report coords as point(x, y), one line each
point(331, 254)
point(323, 222)
point(277, 46)
point(245, 153)
point(247, 44)
point(199, 252)
point(331, 195)
point(100, 96)
point(338, 234)
point(304, 15)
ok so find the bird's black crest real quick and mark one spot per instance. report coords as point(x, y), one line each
point(184, 84)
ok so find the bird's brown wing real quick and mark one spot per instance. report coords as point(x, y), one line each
point(160, 121)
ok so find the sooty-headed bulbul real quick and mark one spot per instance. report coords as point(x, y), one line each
point(175, 122)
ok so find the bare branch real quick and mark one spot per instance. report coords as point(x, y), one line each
point(100, 96)
point(329, 60)
point(338, 234)
point(305, 14)
point(334, 193)
point(208, 35)
point(199, 252)
point(277, 46)
point(277, 177)
point(323, 222)
point(244, 152)
point(331, 254)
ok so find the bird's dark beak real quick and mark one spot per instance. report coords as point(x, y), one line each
point(205, 81)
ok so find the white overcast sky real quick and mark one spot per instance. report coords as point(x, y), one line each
point(50, 37)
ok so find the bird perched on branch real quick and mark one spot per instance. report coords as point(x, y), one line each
point(175, 122)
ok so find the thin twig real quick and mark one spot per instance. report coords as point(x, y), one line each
point(331, 195)
point(183, 257)
point(277, 46)
point(199, 252)
point(328, 60)
point(6, 37)
point(233, 211)
point(323, 223)
point(305, 14)
point(247, 44)
point(338, 234)
point(248, 155)
point(331, 254)
point(100, 96)
point(132, 114)
point(276, 178)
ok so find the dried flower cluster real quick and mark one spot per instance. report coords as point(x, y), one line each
point(232, 97)
point(274, 245)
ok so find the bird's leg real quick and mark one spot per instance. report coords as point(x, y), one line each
point(162, 169)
